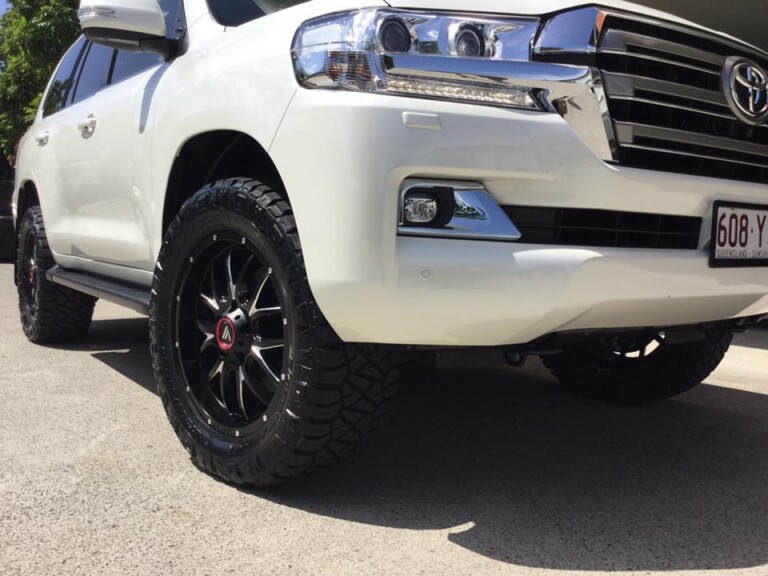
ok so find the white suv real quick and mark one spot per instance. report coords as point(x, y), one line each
point(296, 193)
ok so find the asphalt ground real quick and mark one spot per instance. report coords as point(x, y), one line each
point(491, 471)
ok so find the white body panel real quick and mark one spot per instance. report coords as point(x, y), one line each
point(105, 177)
point(370, 282)
point(138, 16)
point(342, 157)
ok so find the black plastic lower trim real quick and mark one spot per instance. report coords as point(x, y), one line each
point(604, 228)
point(131, 296)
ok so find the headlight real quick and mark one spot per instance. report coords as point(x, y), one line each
point(402, 53)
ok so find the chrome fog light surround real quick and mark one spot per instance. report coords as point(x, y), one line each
point(474, 216)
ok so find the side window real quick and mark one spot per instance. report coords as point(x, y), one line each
point(56, 99)
point(235, 12)
point(94, 74)
point(128, 64)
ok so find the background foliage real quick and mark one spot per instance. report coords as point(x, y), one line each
point(34, 34)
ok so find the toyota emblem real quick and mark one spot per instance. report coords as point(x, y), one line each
point(745, 84)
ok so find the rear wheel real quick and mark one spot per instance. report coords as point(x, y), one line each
point(49, 312)
point(638, 368)
point(256, 384)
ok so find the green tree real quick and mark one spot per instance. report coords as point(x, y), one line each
point(34, 34)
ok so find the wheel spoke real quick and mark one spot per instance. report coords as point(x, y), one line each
point(256, 354)
point(217, 369)
point(212, 282)
point(211, 302)
point(262, 345)
point(231, 287)
point(260, 313)
point(222, 393)
point(241, 278)
point(261, 389)
point(240, 385)
point(261, 281)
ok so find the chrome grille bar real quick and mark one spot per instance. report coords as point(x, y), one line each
point(666, 98)
point(660, 60)
point(622, 41)
point(630, 133)
point(694, 155)
point(628, 85)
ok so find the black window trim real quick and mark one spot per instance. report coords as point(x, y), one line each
point(80, 66)
point(71, 77)
point(82, 59)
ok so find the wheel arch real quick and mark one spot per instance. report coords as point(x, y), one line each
point(27, 196)
point(211, 156)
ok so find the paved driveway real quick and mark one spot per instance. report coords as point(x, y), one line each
point(492, 471)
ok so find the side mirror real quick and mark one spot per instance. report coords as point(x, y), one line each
point(132, 25)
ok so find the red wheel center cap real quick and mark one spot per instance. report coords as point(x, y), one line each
point(226, 334)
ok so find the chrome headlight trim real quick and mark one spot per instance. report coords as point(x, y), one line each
point(344, 51)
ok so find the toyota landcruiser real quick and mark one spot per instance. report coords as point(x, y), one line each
point(298, 194)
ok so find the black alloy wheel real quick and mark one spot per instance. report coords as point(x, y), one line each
point(234, 332)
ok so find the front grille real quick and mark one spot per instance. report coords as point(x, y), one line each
point(604, 228)
point(664, 92)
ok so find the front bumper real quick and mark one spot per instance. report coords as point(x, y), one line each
point(343, 157)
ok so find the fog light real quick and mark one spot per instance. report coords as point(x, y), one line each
point(421, 209)
point(430, 206)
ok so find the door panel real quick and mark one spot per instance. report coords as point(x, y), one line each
point(105, 159)
point(47, 167)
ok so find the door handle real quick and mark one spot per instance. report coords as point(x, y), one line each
point(42, 138)
point(88, 126)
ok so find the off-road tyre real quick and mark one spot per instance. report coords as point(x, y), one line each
point(49, 313)
point(589, 370)
point(330, 394)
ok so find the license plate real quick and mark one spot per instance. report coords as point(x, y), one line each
point(739, 235)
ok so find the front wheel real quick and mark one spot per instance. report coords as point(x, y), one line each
point(256, 384)
point(638, 368)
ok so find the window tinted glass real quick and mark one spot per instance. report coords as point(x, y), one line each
point(94, 74)
point(56, 99)
point(128, 64)
point(236, 12)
